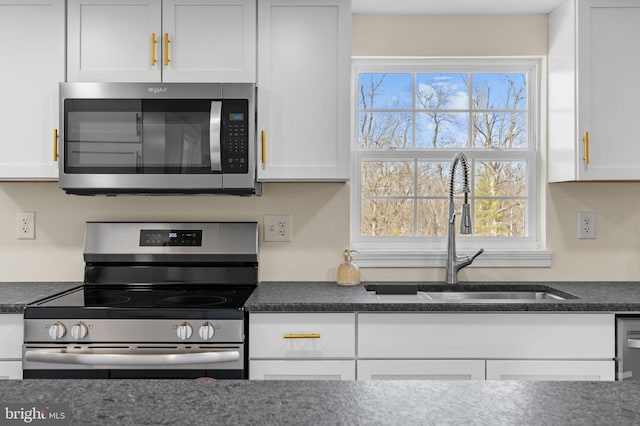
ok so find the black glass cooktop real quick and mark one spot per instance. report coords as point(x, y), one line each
point(144, 301)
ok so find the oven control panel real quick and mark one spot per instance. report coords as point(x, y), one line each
point(134, 330)
point(165, 237)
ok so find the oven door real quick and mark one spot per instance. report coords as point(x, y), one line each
point(133, 361)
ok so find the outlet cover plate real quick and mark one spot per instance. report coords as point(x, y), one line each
point(277, 227)
point(586, 225)
point(26, 225)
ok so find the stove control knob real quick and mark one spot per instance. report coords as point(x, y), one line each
point(184, 331)
point(79, 331)
point(206, 331)
point(57, 330)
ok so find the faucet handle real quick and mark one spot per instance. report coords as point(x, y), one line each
point(478, 253)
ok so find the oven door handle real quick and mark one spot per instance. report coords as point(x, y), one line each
point(130, 359)
point(633, 343)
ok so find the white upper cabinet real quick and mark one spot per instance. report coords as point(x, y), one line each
point(162, 40)
point(33, 61)
point(594, 64)
point(213, 40)
point(304, 54)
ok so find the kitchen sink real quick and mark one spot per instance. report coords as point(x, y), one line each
point(414, 292)
point(502, 295)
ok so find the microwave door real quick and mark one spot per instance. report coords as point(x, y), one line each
point(215, 153)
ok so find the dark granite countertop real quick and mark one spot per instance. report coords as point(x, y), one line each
point(331, 297)
point(182, 402)
point(15, 296)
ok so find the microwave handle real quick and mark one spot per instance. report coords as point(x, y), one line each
point(214, 136)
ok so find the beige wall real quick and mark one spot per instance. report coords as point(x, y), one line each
point(320, 211)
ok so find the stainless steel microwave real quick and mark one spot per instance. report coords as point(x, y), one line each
point(158, 138)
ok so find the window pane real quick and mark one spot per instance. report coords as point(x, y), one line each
point(442, 91)
point(499, 91)
point(433, 217)
point(387, 178)
point(503, 130)
point(387, 218)
point(499, 218)
point(438, 129)
point(385, 91)
point(433, 178)
point(382, 130)
point(500, 179)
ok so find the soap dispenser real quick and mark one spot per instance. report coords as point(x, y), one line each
point(348, 272)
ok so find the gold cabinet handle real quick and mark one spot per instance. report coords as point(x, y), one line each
point(586, 148)
point(264, 147)
point(55, 145)
point(153, 49)
point(302, 336)
point(166, 49)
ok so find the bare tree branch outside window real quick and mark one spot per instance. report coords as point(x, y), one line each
point(441, 112)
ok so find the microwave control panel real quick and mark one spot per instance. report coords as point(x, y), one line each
point(235, 136)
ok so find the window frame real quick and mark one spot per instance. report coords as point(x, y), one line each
point(414, 251)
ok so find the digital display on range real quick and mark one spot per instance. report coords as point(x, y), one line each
point(236, 116)
point(164, 237)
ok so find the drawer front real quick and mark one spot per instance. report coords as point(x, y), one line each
point(421, 369)
point(548, 370)
point(302, 370)
point(12, 332)
point(301, 335)
point(472, 335)
point(10, 370)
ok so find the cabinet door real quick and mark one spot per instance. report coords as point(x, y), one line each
point(114, 40)
point(550, 370)
point(608, 89)
point(302, 370)
point(12, 332)
point(594, 65)
point(302, 335)
point(10, 370)
point(32, 34)
point(209, 40)
point(421, 369)
point(486, 335)
point(304, 49)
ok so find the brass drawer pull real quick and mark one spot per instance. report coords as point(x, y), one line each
point(55, 144)
point(302, 336)
point(264, 147)
point(153, 49)
point(586, 148)
point(166, 49)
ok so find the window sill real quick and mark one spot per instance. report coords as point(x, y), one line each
point(437, 259)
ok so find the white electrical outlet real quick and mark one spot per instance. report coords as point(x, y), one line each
point(26, 225)
point(277, 227)
point(586, 225)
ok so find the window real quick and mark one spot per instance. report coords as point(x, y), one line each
point(412, 117)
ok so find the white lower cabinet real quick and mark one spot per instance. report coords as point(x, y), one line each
point(493, 346)
point(303, 346)
point(12, 332)
point(10, 370)
point(432, 346)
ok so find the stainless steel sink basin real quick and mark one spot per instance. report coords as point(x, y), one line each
point(416, 292)
point(501, 295)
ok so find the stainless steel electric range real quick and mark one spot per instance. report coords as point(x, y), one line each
point(159, 300)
